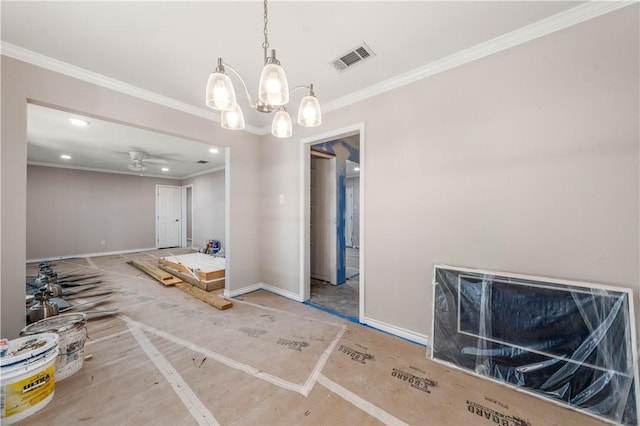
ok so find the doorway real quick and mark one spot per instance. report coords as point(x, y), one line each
point(323, 243)
point(352, 221)
point(348, 229)
point(331, 258)
point(168, 216)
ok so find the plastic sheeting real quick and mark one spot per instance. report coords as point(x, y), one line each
point(559, 340)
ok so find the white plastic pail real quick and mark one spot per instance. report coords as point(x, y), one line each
point(72, 330)
point(27, 376)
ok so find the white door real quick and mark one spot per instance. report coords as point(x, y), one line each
point(348, 228)
point(168, 216)
point(323, 260)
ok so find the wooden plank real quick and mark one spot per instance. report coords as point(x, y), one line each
point(206, 267)
point(210, 298)
point(161, 276)
point(211, 275)
point(211, 285)
point(194, 280)
point(174, 265)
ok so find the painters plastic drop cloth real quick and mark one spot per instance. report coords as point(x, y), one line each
point(570, 343)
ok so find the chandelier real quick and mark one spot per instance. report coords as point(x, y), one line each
point(273, 95)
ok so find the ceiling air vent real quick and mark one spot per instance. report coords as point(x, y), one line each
point(355, 56)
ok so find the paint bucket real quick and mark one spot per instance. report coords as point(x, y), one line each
point(72, 330)
point(27, 376)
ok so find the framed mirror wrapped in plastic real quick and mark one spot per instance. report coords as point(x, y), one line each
point(570, 342)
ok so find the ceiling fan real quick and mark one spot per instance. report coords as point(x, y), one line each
point(137, 160)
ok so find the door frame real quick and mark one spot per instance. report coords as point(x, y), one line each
point(185, 188)
point(158, 211)
point(305, 179)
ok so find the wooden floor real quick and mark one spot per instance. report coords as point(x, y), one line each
point(170, 359)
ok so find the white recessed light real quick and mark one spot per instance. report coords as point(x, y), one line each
point(65, 157)
point(214, 150)
point(165, 169)
point(356, 169)
point(79, 122)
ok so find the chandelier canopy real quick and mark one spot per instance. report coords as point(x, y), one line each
point(273, 95)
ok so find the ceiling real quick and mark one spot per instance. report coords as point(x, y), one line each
point(166, 50)
point(104, 146)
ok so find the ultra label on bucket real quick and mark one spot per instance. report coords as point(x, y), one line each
point(24, 394)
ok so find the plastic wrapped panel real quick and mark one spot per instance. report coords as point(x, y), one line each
point(561, 340)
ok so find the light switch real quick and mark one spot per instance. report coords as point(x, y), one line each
point(281, 197)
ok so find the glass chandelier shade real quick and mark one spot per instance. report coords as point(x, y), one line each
point(309, 114)
point(220, 94)
point(232, 119)
point(281, 126)
point(273, 88)
point(273, 95)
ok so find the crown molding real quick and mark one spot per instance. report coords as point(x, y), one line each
point(215, 169)
point(119, 172)
point(562, 20)
point(546, 26)
point(55, 65)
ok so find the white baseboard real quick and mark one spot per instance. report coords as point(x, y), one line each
point(102, 253)
point(266, 287)
point(243, 290)
point(397, 331)
point(281, 292)
point(388, 328)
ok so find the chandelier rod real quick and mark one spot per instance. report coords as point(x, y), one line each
point(301, 86)
point(252, 102)
point(265, 44)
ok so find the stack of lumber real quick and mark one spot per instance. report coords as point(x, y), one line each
point(169, 279)
point(163, 277)
point(198, 269)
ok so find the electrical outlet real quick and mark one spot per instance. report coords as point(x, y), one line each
point(102, 242)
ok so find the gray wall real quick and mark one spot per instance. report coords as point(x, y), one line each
point(22, 82)
point(208, 208)
point(70, 211)
point(524, 161)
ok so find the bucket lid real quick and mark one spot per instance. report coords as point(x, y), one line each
point(58, 324)
point(24, 348)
